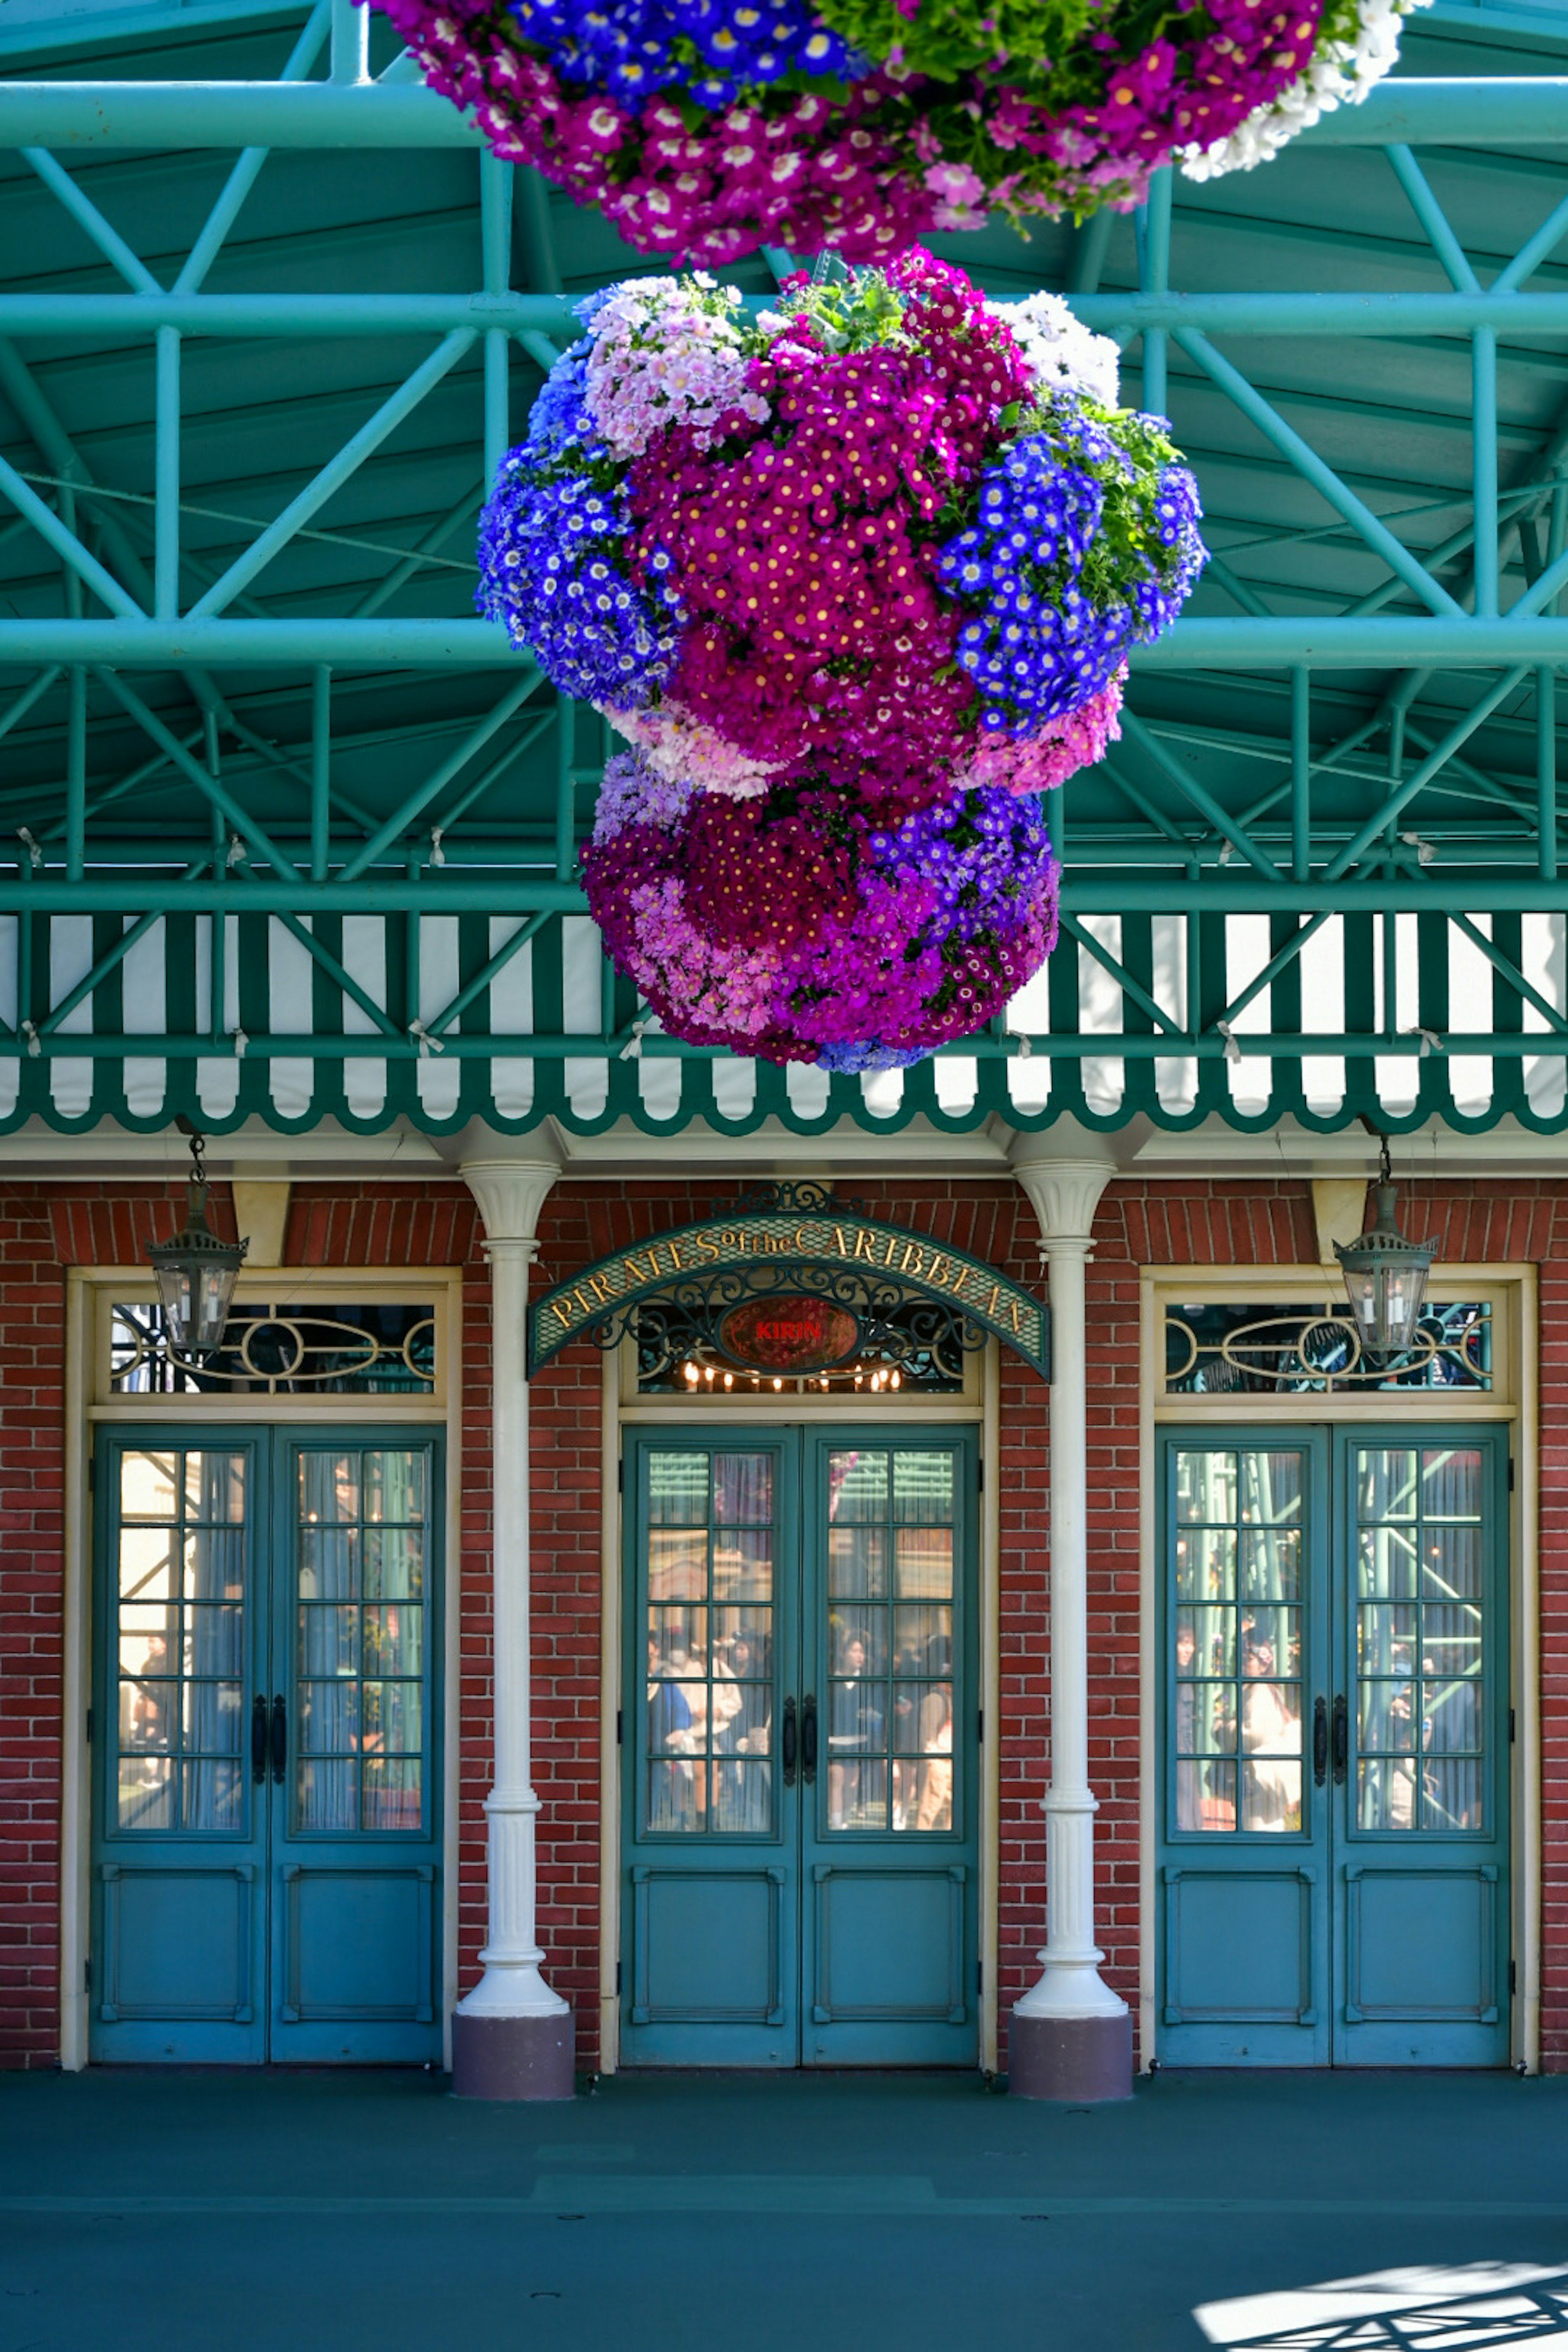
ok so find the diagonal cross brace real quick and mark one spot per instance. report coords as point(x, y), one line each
point(205, 782)
point(1322, 477)
point(334, 475)
point(1130, 988)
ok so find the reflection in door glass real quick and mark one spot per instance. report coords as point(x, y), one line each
point(1236, 1631)
point(890, 1640)
point(1420, 1638)
point(360, 1561)
point(709, 1568)
point(179, 1640)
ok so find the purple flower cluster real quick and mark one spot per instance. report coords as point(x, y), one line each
point(809, 924)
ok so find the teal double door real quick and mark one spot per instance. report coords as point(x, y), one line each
point(1333, 1882)
point(266, 1750)
point(800, 1744)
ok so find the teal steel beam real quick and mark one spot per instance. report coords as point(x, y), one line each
point(1546, 771)
point(1329, 642)
point(1153, 237)
point(333, 475)
point(320, 771)
point(1301, 775)
point(495, 237)
point(1111, 1044)
point(98, 316)
point(1432, 219)
point(1505, 111)
point(526, 891)
point(1483, 453)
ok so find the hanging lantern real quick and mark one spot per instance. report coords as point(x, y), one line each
point(1385, 1274)
point(196, 1272)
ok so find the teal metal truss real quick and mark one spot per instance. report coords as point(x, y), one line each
point(286, 832)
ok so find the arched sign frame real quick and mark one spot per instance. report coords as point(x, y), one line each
point(790, 1233)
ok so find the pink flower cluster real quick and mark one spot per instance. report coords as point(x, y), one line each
point(1038, 763)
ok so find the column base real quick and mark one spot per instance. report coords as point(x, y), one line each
point(513, 2057)
point(1081, 2059)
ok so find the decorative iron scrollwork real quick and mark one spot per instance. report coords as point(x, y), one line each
point(923, 1339)
point(1220, 1349)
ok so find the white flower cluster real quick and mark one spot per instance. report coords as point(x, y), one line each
point(667, 352)
point(1341, 74)
point(1061, 353)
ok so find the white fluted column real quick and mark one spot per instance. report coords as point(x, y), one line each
point(1071, 2035)
point(511, 2036)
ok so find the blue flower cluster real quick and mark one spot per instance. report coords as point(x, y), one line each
point(982, 851)
point(634, 49)
point(1040, 646)
point(549, 542)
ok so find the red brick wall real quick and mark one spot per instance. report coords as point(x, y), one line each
point(32, 1382)
point(43, 1228)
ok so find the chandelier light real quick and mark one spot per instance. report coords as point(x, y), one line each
point(1385, 1274)
point(196, 1272)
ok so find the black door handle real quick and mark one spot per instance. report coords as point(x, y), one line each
point(808, 1740)
point(258, 1736)
point(1320, 1741)
point(280, 1739)
point(789, 1744)
point(1342, 1740)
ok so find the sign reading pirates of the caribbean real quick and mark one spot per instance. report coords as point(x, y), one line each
point(792, 1238)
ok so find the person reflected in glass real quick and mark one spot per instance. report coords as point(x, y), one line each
point(935, 1810)
point(1189, 1796)
point(745, 1794)
point(854, 1723)
point(1271, 1741)
point(669, 1736)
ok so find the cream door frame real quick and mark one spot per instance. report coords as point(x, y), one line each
point(89, 1292)
point(1513, 1402)
point(979, 1406)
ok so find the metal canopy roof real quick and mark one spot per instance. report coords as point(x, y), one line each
point(294, 835)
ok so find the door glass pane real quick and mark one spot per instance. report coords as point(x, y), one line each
point(888, 1728)
point(1237, 1632)
point(708, 1625)
point(179, 1645)
point(1420, 1638)
point(361, 1534)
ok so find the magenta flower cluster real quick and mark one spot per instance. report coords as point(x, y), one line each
point(813, 923)
point(858, 125)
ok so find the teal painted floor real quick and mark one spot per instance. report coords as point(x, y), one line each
point(205, 2211)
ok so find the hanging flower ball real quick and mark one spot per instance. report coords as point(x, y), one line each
point(886, 525)
point(816, 923)
point(705, 130)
